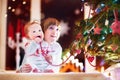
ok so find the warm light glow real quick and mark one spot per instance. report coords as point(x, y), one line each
point(77, 12)
point(13, 10)
point(81, 9)
point(13, 0)
point(24, 2)
point(102, 69)
point(106, 22)
point(9, 7)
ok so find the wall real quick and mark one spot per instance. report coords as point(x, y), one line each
point(3, 6)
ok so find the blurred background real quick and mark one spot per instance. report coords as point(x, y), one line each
point(91, 18)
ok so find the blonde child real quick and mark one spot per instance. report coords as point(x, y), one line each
point(34, 35)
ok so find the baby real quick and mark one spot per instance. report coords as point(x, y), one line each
point(35, 36)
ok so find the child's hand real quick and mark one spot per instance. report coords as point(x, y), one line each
point(48, 71)
point(26, 68)
point(35, 70)
point(49, 57)
point(39, 50)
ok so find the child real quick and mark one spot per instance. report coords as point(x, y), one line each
point(50, 49)
point(51, 28)
point(35, 36)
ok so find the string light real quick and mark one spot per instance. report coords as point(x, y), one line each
point(82, 9)
point(17, 10)
point(9, 7)
point(83, 0)
point(13, 10)
point(24, 2)
point(77, 11)
point(13, 0)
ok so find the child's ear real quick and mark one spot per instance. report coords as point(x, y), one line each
point(27, 36)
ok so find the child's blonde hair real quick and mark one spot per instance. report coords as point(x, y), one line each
point(27, 25)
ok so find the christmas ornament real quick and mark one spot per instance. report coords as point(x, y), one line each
point(104, 30)
point(85, 33)
point(114, 47)
point(90, 58)
point(78, 51)
point(116, 1)
point(79, 36)
point(101, 38)
point(97, 30)
point(116, 24)
point(109, 30)
point(115, 27)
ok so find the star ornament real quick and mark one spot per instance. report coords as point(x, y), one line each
point(97, 30)
point(115, 27)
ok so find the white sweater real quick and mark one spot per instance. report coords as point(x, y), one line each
point(37, 60)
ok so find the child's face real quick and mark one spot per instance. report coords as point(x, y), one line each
point(35, 32)
point(52, 33)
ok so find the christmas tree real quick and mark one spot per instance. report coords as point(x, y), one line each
point(99, 35)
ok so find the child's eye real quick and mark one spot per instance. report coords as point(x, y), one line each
point(57, 29)
point(40, 30)
point(51, 27)
point(33, 31)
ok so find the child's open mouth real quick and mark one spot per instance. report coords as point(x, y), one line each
point(38, 37)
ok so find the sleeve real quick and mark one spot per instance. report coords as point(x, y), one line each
point(29, 49)
point(32, 47)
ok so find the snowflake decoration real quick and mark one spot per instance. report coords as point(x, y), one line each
point(65, 28)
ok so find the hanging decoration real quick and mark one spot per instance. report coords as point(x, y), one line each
point(116, 24)
point(97, 30)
